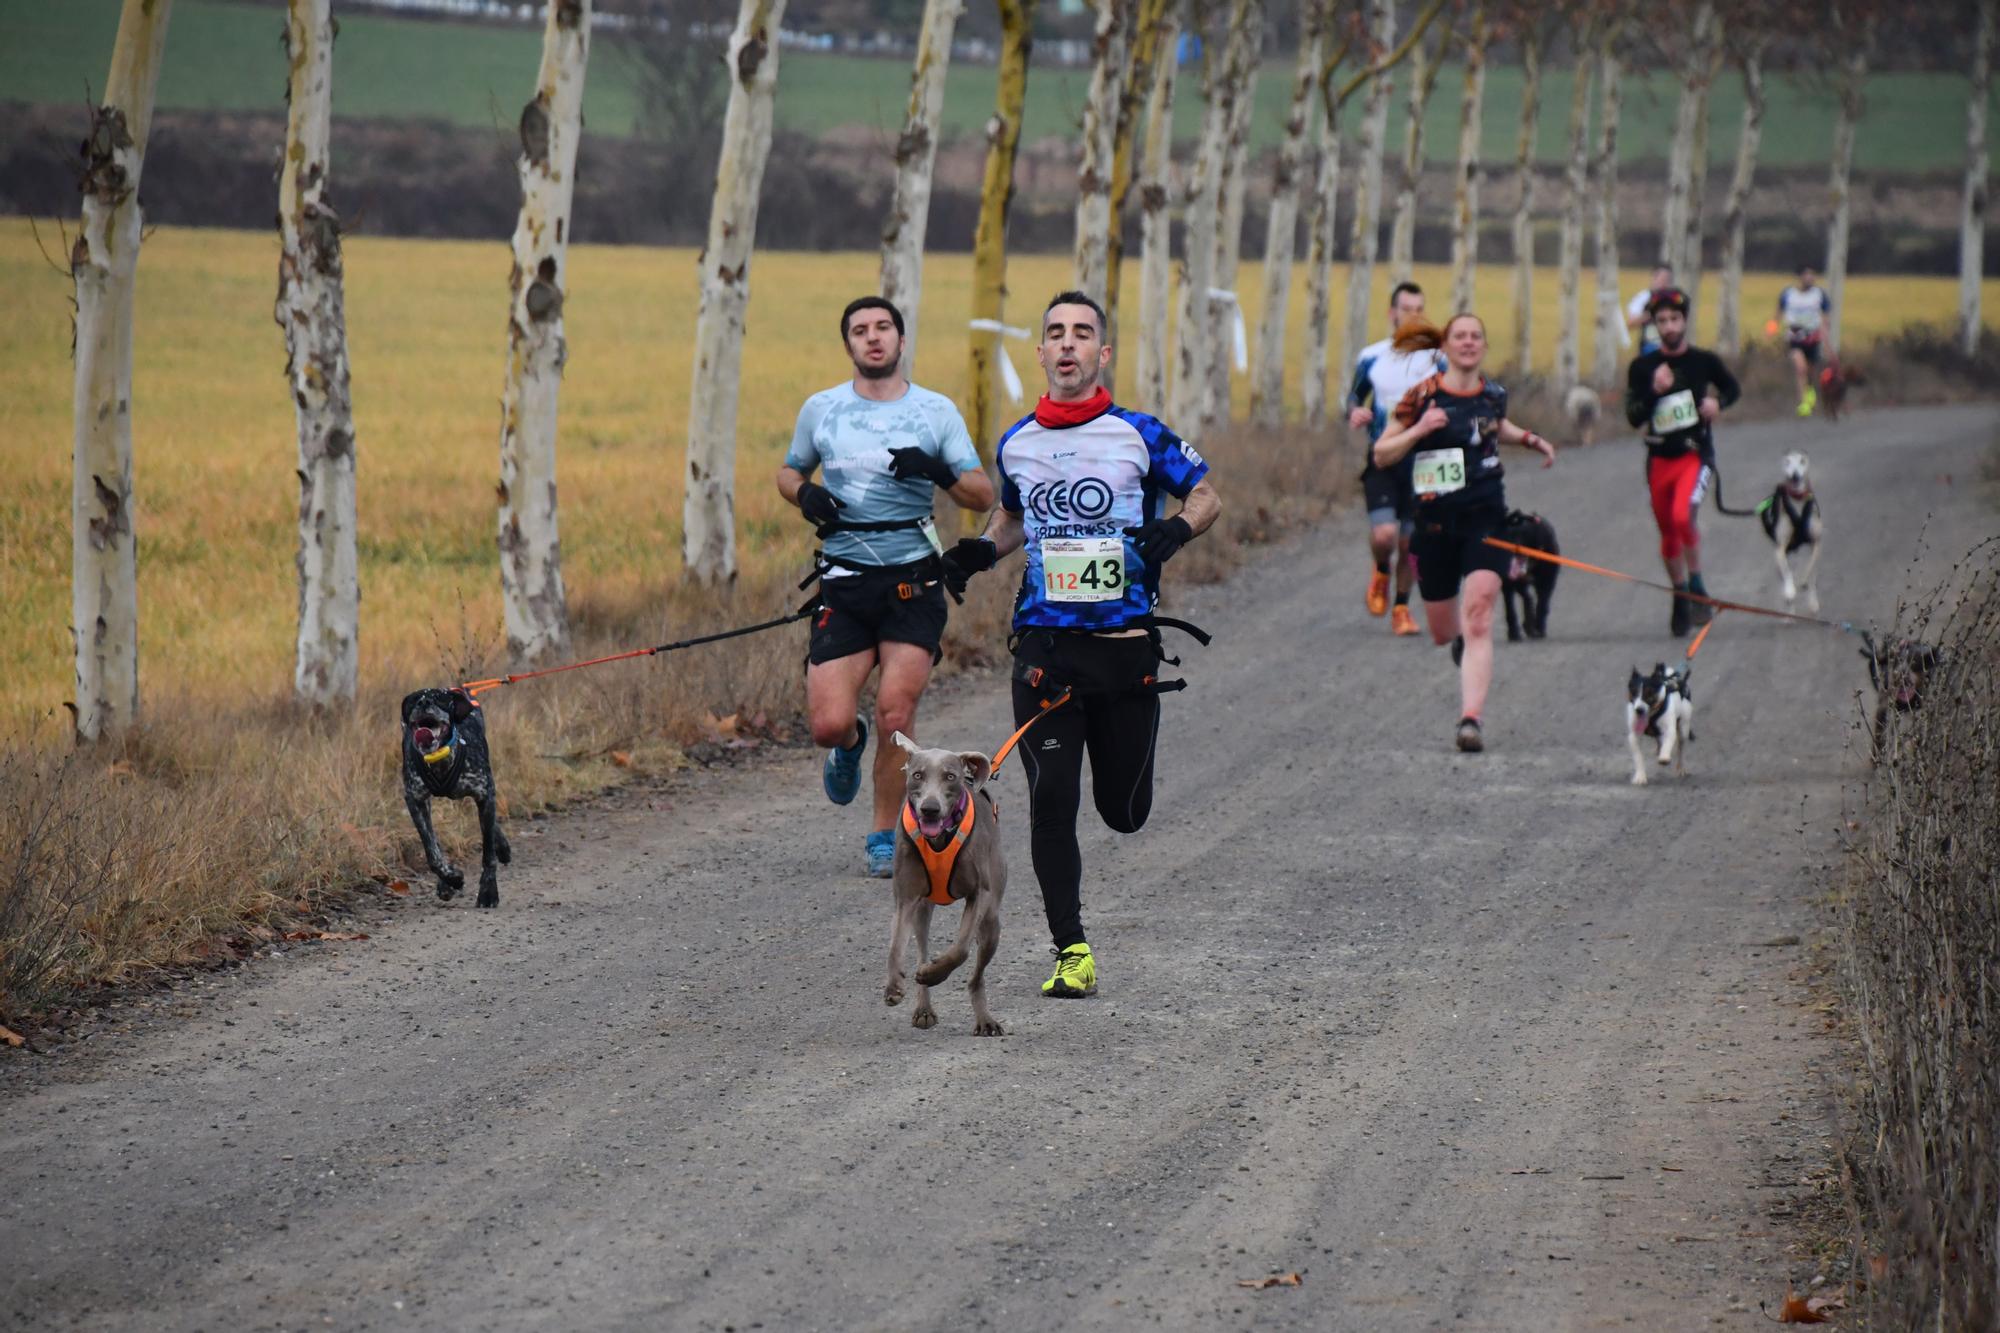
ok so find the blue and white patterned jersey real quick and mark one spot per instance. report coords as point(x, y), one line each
point(851, 436)
point(1077, 488)
point(1382, 375)
point(1804, 311)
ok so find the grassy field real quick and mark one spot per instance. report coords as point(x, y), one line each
point(226, 57)
point(214, 435)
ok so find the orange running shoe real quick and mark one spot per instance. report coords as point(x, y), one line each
point(1378, 594)
point(1402, 622)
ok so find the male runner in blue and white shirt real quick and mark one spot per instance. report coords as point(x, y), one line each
point(1804, 308)
point(1382, 375)
point(884, 445)
point(1083, 485)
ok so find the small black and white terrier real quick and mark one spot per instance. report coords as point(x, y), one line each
point(444, 755)
point(1532, 581)
point(1793, 522)
point(1659, 706)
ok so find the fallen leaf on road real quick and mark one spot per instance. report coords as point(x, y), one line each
point(9, 1037)
point(1275, 1280)
point(399, 886)
point(622, 758)
point(1796, 1310)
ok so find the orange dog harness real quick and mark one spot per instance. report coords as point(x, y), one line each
point(938, 865)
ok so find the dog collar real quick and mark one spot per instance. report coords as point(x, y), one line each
point(439, 755)
point(938, 864)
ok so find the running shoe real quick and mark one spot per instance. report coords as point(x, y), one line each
point(1469, 739)
point(1378, 593)
point(1402, 622)
point(1458, 650)
point(1808, 401)
point(881, 847)
point(842, 775)
point(1677, 620)
point(1075, 975)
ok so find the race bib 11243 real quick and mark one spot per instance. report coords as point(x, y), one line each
point(1083, 569)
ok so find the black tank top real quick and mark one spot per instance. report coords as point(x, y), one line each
point(1457, 466)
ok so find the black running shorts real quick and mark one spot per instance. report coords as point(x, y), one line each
point(1453, 544)
point(1809, 344)
point(860, 610)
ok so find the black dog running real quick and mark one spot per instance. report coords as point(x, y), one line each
point(444, 755)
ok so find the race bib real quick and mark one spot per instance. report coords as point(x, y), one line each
point(1675, 412)
point(1438, 471)
point(1083, 569)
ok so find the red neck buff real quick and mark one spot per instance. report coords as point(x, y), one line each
point(1056, 415)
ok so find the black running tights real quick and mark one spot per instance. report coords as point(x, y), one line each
point(1117, 731)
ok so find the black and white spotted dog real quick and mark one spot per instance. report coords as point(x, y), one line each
point(1793, 522)
point(444, 755)
point(1532, 581)
point(1659, 706)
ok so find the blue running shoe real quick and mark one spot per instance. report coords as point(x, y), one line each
point(882, 853)
point(842, 775)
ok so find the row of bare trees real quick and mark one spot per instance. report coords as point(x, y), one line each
point(1346, 49)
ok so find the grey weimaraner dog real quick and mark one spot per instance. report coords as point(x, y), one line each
point(948, 850)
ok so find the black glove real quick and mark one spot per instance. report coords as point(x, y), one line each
point(1157, 541)
point(971, 555)
point(914, 464)
point(819, 504)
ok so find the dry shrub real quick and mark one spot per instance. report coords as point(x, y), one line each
point(1922, 970)
point(132, 855)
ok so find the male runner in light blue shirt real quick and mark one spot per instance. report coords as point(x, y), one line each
point(884, 445)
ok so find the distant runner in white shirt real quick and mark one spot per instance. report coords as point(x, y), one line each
point(1382, 375)
point(1802, 310)
point(1639, 310)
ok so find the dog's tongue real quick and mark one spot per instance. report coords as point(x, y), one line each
point(930, 828)
point(1638, 724)
point(424, 737)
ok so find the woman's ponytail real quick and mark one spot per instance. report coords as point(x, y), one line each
point(1418, 336)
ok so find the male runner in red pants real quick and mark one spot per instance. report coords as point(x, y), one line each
point(1674, 393)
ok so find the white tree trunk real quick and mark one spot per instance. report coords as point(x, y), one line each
point(1224, 312)
point(1570, 260)
point(1424, 63)
point(1736, 209)
point(708, 536)
point(1111, 49)
point(916, 156)
point(1368, 189)
point(104, 589)
point(1323, 237)
point(1465, 196)
point(1203, 217)
point(1846, 122)
point(533, 603)
point(1267, 393)
point(1610, 346)
point(1680, 153)
point(1523, 235)
point(1972, 214)
point(1692, 256)
point(1156, 226)
point(326, 663)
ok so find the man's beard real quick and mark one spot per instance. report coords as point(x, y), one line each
point(1673, 346)
point(887, 370)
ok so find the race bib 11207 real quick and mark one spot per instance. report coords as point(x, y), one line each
point(1675, 412)
point(1438, 471)
point(1083, 569)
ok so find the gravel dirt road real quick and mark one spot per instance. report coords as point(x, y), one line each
point(1490, 1041)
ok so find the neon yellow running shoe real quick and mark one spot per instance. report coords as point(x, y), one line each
point(1075, 975)
point(1809, 402)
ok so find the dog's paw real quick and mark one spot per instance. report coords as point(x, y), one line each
point(1638, 777)
point(988, 1027)
point(503, 851)
point(931, 973)
point(489, 893)
point(892, 994)
point(924, 1017)
point(1812, 600)
point(450, 880)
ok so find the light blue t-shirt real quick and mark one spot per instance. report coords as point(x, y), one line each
point(850, 437)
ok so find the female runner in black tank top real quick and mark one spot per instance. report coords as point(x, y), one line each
point(1453, 423)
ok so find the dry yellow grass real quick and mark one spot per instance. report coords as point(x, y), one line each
point(214, 442)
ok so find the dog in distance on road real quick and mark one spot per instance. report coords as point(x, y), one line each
point(1900, 670)
point(1660, 706)
point(1793, 521)
point(445, 756)
point(1530, 581)
point(947, 851)
point(1582, 406)
point(1834, 379)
